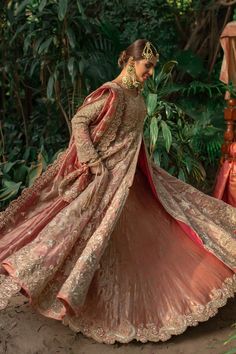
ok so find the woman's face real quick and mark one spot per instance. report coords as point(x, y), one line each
point(144, 68)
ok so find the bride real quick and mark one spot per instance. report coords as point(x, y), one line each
point(109, 243)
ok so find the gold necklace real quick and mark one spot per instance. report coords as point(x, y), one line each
point(131, 84)
point(133, 89)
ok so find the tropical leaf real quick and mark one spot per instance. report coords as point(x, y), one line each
point(72, 68)
point(153, 132)
point(71, 37)
point(10, 190)
point(62, 8)
point(45, 45)
point(42, 5)
point(151, 103)
point(166, 132)
point(50, 86)
point(80, 8)
point(22, 6)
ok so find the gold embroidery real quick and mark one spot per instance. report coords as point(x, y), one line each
point(151, 331)
point(80, 126)
point(213, 220)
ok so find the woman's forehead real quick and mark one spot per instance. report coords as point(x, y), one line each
point(152, 61)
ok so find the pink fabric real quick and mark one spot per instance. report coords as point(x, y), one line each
point(228, 43)
point(143, 163)
point(225, 187)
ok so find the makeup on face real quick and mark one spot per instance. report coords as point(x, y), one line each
point(145, 68)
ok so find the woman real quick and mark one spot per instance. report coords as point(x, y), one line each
point(112, 246)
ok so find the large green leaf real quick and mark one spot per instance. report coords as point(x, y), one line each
point(6, 194)
point(42, 5)
point(45, 45)
point(156, 157)
point(62, 8)
point(20, 172)
point(80, 8)
point(166, 135)
point(7, 166)
point(72, 68)
point(153, 132)
point(162, 77)
point(151, 103)
point(71, 37)
point(22, 6)
point(34, 64)
point(181, 175)
point(50, 86)
point(10, 190)
point(27, 43)
point(169, 66)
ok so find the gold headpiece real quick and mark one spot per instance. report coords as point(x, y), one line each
point(148, 52)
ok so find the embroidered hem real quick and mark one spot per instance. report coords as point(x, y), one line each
point(150, 332)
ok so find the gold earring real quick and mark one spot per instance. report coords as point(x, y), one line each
point(127, 80)
point(130, 80)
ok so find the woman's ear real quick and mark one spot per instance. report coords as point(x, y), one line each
point(131, 61)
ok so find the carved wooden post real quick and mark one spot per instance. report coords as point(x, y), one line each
point(229, 135)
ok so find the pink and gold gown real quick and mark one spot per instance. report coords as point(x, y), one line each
point(133, 253)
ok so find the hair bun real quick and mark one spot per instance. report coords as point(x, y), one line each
point(122, 59)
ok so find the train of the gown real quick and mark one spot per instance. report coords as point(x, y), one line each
point(153, 280)
point(208, 221)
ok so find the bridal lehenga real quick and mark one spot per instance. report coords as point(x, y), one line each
point(132, 253)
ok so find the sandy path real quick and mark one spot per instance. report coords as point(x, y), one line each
point(23, 331)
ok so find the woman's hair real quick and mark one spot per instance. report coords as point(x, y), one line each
point(135, 50)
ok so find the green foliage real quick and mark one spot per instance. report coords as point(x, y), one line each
point(162, 118)
point(152, 19)
point(19, 174)
point(231, 339)
point(183, 141)
point(190, 63)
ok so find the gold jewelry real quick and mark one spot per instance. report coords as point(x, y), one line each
point(130, 81)
point(148, 52)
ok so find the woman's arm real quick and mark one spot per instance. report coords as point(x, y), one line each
point(80, 127)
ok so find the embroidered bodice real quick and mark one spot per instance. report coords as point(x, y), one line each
point(123, 134)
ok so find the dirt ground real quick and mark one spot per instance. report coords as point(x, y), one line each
point(23, 331)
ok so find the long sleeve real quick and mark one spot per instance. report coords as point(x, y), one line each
point(80, 127)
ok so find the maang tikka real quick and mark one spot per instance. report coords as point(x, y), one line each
point(148, 53)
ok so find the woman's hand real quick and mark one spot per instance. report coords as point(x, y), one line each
point(96, 168)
